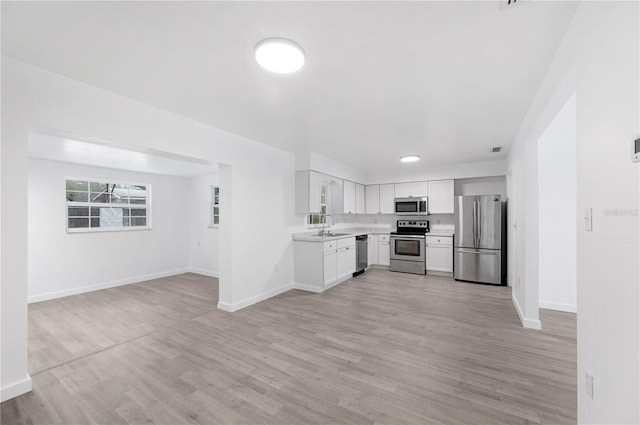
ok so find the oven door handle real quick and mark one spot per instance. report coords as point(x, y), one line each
point(407, 236)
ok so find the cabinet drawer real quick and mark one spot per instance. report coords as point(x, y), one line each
point(439, 240)
point(383, 238)
point(330, 246)
point(346, 242)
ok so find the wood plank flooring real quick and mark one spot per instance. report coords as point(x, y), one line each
point(382, 348)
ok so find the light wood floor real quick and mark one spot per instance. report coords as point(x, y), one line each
point(383, 348)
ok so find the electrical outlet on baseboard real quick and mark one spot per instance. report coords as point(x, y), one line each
point(588, 382)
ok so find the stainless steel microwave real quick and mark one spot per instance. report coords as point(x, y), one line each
point(411, 206)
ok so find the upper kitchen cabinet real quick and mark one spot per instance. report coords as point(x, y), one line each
point(360, 199)
point(349, 200)
point(387, 195)
point(317, 193)
point(354, 198)
point(379, 199)
point(372, 197)
point(441, 194)
point(411, 190)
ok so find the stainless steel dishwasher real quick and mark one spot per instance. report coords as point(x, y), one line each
point(361, 254)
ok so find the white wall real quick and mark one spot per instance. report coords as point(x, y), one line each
point(203, 239)
point(62, 263)
point(557, 212)
point(598, 60)
point(608, 120)
point(34, 99)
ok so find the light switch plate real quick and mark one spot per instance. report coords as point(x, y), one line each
point(588, 219)
point(589, 384)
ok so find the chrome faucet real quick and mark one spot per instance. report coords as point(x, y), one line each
point(321, 232)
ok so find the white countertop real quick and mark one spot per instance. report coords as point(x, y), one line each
point(352, 232)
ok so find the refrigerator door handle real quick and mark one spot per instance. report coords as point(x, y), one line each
point(475, 222)
point(466, 251)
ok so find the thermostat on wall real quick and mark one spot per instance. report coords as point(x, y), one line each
point(636, 150)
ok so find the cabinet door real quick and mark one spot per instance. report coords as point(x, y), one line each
point(330, 267)
point(441, 197)
point(315, 191)
point(439, 258)
point(360, 199)
point(387, 195)
point(419, 189)
point(350, 267)
point(372, 199)
point(349, 191)
point(403, 190)
point(372, 250)
point(384, 254)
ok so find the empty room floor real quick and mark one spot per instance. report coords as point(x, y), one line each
point(381, 348)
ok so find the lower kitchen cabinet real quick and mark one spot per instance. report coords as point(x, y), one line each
point(439, 254)
point(320, 265)
point(372, 250)
point(383, 250)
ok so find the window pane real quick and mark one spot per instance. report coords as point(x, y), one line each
point(97, 187)
point(75, 223)
point(77, 196)
point(110, 217)
point(138, 212)
point(78, 211)
point(95, 222)
point(77, 185)
point(100, 197)
point(138, 221)
point(125, 221)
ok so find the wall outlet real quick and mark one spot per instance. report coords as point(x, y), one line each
point(588, 383)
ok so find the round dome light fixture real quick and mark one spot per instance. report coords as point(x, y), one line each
point(279, 55)
point(410, 158)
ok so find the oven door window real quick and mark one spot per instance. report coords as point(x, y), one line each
point(406, 207)
point(409, 247)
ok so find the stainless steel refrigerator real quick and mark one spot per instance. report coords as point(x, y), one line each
point(479, 253)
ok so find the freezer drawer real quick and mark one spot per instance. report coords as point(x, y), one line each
point(478, 265)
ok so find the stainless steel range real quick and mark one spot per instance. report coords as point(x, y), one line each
point(408, 246)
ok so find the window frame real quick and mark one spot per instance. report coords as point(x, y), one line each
point(89, 204)
point(212, 205)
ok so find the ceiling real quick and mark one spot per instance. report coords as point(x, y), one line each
point(55, 148)
point(445, 80)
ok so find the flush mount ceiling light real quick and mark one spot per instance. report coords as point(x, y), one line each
point(279, 55)
point(410, 158)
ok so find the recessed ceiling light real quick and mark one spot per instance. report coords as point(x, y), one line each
point(410, 158)
point(279, 55)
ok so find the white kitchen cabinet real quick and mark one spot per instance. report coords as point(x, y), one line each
point(349, 193)
point(383, 250)
point(360, 199)
point(319, 266)
point(372, 250)
point(372, 199)
point(309, 189)
point(420, 189)
point(387, 195)
point(411, 190)
point(439, 254)
point(330, 267)
point(403, 190)
point(346, 262)
point(441, 196)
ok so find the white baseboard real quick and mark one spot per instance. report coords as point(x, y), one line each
point(104, 285)
point(203, 272)
point(14, 390)
point(526, 323)
point(567, 308)
point(255, 299)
